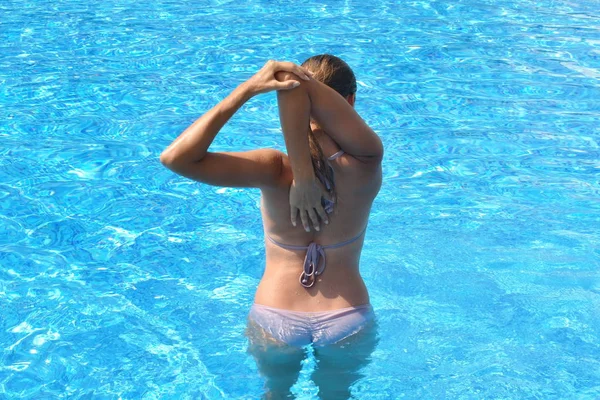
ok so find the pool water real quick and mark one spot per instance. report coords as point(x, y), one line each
point(122, 280)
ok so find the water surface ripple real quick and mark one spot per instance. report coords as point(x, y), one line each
point(121, 280)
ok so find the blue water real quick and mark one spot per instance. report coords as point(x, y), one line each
point(122, 280)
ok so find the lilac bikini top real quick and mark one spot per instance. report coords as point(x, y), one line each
point(314, 262)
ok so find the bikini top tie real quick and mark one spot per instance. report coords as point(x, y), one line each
point(314, 261)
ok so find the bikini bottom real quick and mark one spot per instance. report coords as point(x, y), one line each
point(300, 328)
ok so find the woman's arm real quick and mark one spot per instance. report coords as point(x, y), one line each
point(188, 155)
point(306, 191)
point(339, 119)
point(192, 145)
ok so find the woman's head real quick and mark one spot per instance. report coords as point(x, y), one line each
point(332, 71)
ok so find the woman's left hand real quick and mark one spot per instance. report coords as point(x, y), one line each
point(264, 80)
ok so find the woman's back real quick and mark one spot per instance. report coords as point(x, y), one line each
point(340, 284)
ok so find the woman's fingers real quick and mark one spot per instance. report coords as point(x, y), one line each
point(293, 68)
point(285, 85)
point(304, 217)
point(313, 217)
point(322, 214)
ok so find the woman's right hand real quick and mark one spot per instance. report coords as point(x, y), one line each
point(264, 80)
point(305, 199)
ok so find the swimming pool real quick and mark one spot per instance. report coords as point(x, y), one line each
point(121, 280)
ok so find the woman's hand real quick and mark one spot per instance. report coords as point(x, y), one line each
point(305, 195)
point(264, 80)
point(305, 198)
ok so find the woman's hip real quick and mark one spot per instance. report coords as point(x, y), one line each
point(299, 328)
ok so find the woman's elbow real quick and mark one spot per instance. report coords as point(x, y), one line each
point(380, 151)
point(376, 153)
point(165, 159)
point(170, 162)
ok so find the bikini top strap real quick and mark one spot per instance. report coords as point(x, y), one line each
point(336, 245)
point(314, 261)
point(329, 246)
point(286, 246)
point(336, 155)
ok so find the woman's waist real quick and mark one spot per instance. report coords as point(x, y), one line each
point(312, 312)
point(340, 274)
point(283, 289)
point(291, 269)
point(282, 261)
point(309, 304)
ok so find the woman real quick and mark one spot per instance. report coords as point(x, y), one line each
point(311, 290)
